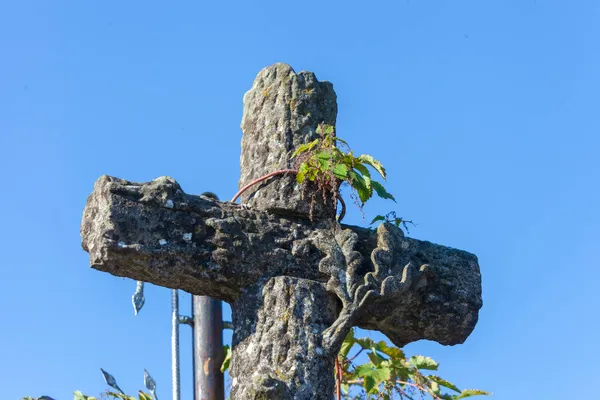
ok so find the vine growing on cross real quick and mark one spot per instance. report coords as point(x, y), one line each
point(329, 166)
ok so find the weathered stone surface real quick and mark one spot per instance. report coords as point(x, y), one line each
point(154, 232)
point(282, 111)
point(157, 233)
point(278, 329)
point(296, 287)
point(446, 297)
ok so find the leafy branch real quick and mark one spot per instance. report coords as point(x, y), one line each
point(389, 372)
point(325, 164)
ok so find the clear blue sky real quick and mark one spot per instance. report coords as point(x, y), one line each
point(486, 114)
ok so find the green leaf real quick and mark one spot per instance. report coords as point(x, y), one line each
point(365, 343)
point(375, 358)
point(400, 368)
point(347, 344)
point(421, 362)
point(470, 393)
point(326, 129)
point(363, 193)
point(367, 159)
point(392, 351)
point(303, 148)
point(227, 359)
point(345, 388)
point(444, 383)
point(312, 173)
point(378, 218)
point(301, 175)
point(78, 395)
point(368, 185)
point(381, 192)
point(340, 171)
point(372, 375)
point(325, 165)
point(144, 396)
point(362, 169)
point(435, 388)
point(359, 184)
point(323, 155)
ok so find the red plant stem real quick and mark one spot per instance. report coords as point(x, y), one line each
point(343, 210)
point(262, 178)
point(338, 379)
point(282, 172)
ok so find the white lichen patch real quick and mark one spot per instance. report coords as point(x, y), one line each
point(319, 351)
point(187, 237)
point(163, 179)
point(169, 203)
point(404, 245)
point(124, 245)
point(162, 242)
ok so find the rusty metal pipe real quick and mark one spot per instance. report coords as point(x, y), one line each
point(208, 348)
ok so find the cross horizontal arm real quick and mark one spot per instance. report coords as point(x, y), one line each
point(406, 288)
point(154, 232)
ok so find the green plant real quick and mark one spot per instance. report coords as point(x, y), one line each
point(113, 395)
point(390, 373)
point(80, 396)
point(393, 219)
point(227, 359)
point(325, 164)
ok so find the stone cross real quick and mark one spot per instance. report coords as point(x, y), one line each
point(296, 287)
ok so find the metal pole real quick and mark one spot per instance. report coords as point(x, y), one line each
point(208, 348)
point(175, 343)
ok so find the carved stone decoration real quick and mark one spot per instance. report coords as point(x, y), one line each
point(295, 286)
